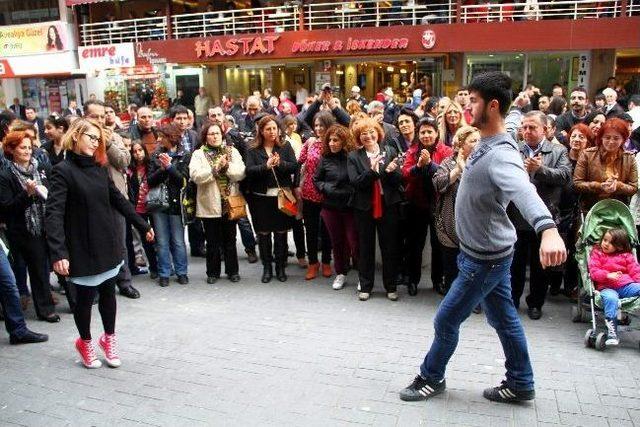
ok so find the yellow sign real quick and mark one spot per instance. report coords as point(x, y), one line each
point(31, 39)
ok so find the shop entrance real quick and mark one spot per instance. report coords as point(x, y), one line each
point(189, 84)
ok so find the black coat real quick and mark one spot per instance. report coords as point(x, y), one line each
point(81, 214)
point(14, 200)
point(332, 180)
point(362, 178)
point(174, 178)
point(259, 178)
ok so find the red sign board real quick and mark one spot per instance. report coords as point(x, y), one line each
point(401, 40)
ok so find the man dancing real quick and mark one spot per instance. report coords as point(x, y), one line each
point(493, 178)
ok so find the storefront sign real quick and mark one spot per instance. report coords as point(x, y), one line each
point(32, 39)
point(349, 44)
point(149, 55)
point(106, 56)
point(38, 65)
point(428, 39)
point(246, 46)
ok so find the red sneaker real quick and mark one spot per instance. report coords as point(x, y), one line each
point(109, 347)
point(88, 354)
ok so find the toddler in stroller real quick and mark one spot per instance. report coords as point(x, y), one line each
point(616, 274)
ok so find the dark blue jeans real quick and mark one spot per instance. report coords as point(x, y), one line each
point(246, 234)
point(487, 283)
point(10, 299)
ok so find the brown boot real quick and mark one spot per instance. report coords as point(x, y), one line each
point(326, 270)
point(312, 271)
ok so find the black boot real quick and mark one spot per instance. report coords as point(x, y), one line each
point(280, 250)
point(264, 245)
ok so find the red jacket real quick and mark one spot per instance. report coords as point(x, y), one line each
point(601, 264)
point(418, 181)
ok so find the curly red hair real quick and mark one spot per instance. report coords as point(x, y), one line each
point(12, 140)
point(583, 129)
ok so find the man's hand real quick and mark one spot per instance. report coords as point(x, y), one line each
point(151, 236)
point(522, 100)
point(61, 267)
point(532, 164)
point(552, 249)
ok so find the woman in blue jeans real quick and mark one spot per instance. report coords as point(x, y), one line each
point(170, 166)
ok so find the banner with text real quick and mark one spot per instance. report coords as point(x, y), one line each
point(46, 37)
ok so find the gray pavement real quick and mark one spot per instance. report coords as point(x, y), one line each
point(300, 353)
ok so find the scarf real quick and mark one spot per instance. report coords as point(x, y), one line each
point(34, 213)
point(213, 156)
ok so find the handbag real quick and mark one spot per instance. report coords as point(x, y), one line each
point(158, 198)
point(237, 207)
point(287, 203)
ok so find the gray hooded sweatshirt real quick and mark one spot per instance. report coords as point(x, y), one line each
point(494, 176)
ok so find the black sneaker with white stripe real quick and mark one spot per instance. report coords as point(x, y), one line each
point(504, 394)
point(421, 389)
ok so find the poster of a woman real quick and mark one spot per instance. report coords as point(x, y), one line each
point(54, 42)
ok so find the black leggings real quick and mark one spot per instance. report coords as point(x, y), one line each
point(106, 306)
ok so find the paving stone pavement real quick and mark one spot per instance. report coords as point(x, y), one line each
point(300, 353)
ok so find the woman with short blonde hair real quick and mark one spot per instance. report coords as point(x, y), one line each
point(451, 119)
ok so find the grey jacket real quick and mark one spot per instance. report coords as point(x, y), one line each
point(494, 176)
point(549, 180)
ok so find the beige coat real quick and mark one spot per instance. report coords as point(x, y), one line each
point(119, 159)
point(208, 200)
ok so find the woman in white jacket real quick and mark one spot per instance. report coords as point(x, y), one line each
point(216, 169)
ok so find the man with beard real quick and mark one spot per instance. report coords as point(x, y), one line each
point(494, 176)
point(578, 102)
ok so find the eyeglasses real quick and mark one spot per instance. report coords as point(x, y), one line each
point(93, 138)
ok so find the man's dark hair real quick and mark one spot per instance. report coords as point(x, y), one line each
point(461, 88)
point(109, 105)
point(6, 117)
point(635, 99)
point(29, 107)
point(89, 103)
point(580, 89)
point(600, 96)
point(493, 85)
point(555, 85)
point(405, 111)
point(178, 109)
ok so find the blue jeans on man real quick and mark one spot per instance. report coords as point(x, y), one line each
point(170, 244)
point(487, 283)
point(611, 298)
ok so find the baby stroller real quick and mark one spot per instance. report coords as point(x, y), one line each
point(603, 215)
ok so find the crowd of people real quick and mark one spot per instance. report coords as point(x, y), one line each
point(98, 203)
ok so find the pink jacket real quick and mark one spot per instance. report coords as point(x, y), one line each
point(601, 264)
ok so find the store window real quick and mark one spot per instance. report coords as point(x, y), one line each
point(547, 69)
point(48, 95)
point(511, 64)
point(15, 12)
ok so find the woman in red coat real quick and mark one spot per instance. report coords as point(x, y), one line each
point(421, 162)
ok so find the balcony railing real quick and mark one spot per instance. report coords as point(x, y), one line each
point(260, 20)
point(535, 11)
point(375, 13)
point(344, 14)
point(129, 30)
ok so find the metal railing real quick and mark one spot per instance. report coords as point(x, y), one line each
point(128, 30)
point(532, 10)
point(344, 14)
point(259, 20)
point(377, 13)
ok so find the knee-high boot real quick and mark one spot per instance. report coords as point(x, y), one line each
point(266, 255)
point(280, 250)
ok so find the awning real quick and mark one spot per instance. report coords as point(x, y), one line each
point(78, 2)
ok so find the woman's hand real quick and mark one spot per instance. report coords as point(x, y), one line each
point(30, 187)
point(392, 166)
point(273, 161)
point(165, 160)
point(614, 275)
point(150, 236)
point(424, 158)
point(61, 267)
point(609, 186)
